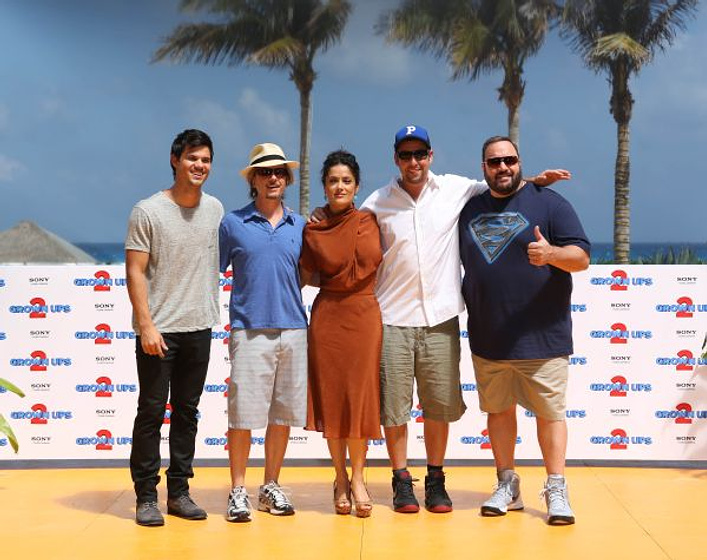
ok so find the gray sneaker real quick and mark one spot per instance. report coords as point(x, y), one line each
point(148, 514)
point(183, 506)
point(506, 495)
point(239, 508)
point(557, 499)
point(272, 499)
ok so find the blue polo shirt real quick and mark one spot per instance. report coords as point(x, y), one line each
point(266, 286)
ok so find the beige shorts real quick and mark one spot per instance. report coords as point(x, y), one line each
point(539, 386)
point(268, 378)
point(429, 356)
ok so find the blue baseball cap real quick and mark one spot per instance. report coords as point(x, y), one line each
point(412, 132)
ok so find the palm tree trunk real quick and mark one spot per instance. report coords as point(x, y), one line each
point(514, 124)
point(622, 212)
point(621, 108)
point(305, 138)
point(511, 93)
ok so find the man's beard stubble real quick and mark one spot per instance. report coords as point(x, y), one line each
point(508, 190)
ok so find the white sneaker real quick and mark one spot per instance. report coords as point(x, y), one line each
point(273, 499)
point(557, 500)
point(239, 508)
point(505, 497)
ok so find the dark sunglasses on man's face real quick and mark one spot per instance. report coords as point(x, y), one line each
point(279, 172)
point(419, 155)
point(497, 161)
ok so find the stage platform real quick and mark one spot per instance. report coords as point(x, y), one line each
point(622, 513)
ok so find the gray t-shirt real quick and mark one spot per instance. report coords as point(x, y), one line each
point(182, 271)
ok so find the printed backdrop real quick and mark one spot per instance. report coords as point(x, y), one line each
point(638, 383)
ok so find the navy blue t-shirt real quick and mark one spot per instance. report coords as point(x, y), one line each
point(517, 311)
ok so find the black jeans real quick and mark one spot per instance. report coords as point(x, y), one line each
point(181, 375)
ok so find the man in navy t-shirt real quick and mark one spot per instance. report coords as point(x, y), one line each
point(519, 243)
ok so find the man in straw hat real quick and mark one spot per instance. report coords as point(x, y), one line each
point(171, 262)
point(268, 341)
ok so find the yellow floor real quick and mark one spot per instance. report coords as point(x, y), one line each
point(621, 513)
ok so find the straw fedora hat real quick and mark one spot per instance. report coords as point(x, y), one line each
point(267, 155)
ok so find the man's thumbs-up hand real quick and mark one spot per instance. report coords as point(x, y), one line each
point(539, 251)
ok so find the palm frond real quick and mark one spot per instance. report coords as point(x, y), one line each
point(424, 24)
point(620, 45)
point(662, 31)
point(5, 384)
point(210, 43)
point(215, 6)
point(7, 430)
point(4, 426)
point(602, 30)
point(279, 53)
point(327, 24)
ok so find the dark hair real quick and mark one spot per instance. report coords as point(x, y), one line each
point(189, 138)
point(341, 157)
point(494, 140)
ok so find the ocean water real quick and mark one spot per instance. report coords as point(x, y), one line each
point(114, 253)
point(105, 253)
point(604, 252)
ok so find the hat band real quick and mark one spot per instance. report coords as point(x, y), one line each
point(267, 158)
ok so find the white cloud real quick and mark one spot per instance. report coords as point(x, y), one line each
point(225, 126)
point(9, 168)
point(371, 61)
point(676, 79)
point(365, 57)
point(213, 116)
point(272, 121)
point(52, 107)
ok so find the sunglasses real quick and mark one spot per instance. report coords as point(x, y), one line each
point(279, 172)
point(419, 155)
point(497, 161)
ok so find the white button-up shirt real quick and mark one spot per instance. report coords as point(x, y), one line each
point(419, 280)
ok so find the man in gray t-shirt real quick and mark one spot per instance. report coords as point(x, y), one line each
point(171, 261)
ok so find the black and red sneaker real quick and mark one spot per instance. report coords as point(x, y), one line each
point(436, 498)
point(404, 500)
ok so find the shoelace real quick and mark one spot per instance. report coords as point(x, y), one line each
point(555, 495)
point(504, 488)
point(240, 499)
point(404, 487)
point(436, 483)
point(278, 496)
point(184, 498)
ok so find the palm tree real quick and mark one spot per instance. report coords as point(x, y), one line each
point(283, 34)
point(619, 37)
point(476, 37)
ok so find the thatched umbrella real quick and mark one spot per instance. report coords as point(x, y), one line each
point(27, 243)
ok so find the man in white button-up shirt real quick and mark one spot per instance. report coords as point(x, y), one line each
point(419, 291)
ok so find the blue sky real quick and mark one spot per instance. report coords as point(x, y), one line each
point(86, 121)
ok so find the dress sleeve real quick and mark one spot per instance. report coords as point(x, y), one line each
point(307, 259)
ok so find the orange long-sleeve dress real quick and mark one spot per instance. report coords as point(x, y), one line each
point(345, 332)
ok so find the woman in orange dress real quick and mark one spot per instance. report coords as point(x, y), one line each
point(341, 255)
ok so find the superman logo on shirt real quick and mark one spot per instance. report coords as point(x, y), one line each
point(492, 233)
